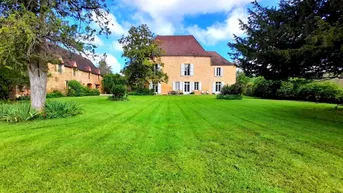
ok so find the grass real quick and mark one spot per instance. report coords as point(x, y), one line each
point(177, 144)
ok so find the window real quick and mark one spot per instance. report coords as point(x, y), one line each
point(196, 86)
point(74, 71)
point(89, 75)
point(218, 71)
point(59, 68)
point(187, 71)
point(218, 86)
point(67, 83)
point(177, 86)
point(97, 86)
point(156, 68)
point(187, 87)
point(155, 87)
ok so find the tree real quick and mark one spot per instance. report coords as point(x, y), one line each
point(111, 80)
point(10, 78)
point(32, 31)
point(104, 67)
point(143, 61)
point(300, 38)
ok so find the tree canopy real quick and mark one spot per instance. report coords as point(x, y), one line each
point(143, 61)
point(31, 31)
point(299, 38)
point(104, 67)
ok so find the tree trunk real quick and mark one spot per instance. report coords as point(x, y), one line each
point(38, 79)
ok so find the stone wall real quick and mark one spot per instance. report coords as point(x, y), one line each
point(203, 72)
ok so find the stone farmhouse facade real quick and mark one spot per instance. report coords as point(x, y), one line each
point(192, 69)
point(72, 67)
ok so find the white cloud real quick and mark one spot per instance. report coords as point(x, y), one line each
point(166, 17)
point(117, 46)
point(220, 31)
point(113, 62)
point(115, 27)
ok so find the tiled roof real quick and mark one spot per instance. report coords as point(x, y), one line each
point(219, 60)
point(185, 45)
point(71, 60)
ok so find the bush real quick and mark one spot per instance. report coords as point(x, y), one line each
point(319, 92)
point(110, 80)
point(266, 88)
point(175, 92)
point(55, 94)
point(192, 92)
point(144, 91)
point(286, 90)
point(229, 97)
point(119, 93)
point(75, 88)
point(17, 112)
point(23, 98)
point(235, 89)
point(56, 109)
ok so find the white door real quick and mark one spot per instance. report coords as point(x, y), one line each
point(186, 87)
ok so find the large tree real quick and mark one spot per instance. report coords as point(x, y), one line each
point(104, 67)
point(299, 38)
point(31, 31)
point(143, 58)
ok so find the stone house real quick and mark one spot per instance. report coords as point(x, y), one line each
point(73, 67)
point(191, 68)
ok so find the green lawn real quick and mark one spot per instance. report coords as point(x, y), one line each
point(177, 144)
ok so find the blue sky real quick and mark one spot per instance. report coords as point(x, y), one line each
point(213, 22)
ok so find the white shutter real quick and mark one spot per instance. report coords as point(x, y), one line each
point(191, 86)
point(222, 71)
point(159, 88)
point(174, 85)
point(181, 86)
point(150, 85)
point(182, 69)
point(215, 69)
point(214, 87)
point(223, 83)
point(200, 86)
point(192, 69)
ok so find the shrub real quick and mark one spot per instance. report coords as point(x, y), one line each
point(319, 92)
point(17, 112)
point(55, 94)
point(56, 109)
point(119, 93)
point(75, 88)
point(144, 91)
point(192, 92)
point(110, 80)
point(229, 97)
point(235, 89)
point(175, 92)
point(23, 98)
point(286, 90)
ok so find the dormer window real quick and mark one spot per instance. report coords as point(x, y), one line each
point(74, 71)
point(59, 68)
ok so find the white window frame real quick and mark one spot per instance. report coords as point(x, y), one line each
point(187, 84)
point(196, 86)
point(177, 85)
point(218, 71)
point(187, 69)
point(218, 86)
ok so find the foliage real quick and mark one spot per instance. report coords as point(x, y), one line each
point(56, 109)
point(175, 92)
point(109, 80)
point(32, 31)
point(23, 98)
point(294, 89)
point(9, 79)
point(75, 88)
point(104, 67)
point(17, 112)
point(234, 89)
point(119, 93)
point(143, 91)
point(229, 97)
point(243, 80)
point(192, 92)
point(55, 94)
point(319, 92)
point(299, 38)
point(143, 62)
